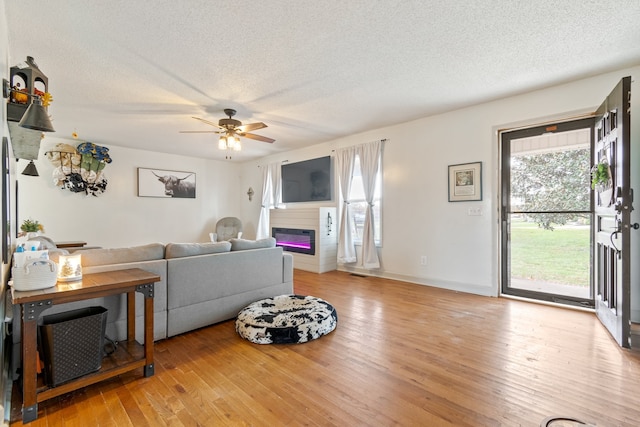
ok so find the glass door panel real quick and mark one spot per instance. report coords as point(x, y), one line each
point(554, 261)
point(547, 213)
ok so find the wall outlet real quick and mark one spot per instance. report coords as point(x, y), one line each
point(475, 212)
point(423, 260)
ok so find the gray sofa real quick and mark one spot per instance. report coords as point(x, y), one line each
point(200, 284)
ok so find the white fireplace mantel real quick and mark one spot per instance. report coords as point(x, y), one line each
point(324, 222)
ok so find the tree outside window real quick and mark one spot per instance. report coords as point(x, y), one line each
point(551, 182)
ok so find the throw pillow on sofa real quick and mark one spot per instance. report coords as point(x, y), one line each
point(243, 244)
point(180, 250)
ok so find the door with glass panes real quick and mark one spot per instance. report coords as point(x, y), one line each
point(547, 212)
point(566, 203)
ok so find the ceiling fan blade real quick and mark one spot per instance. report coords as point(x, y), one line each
point(198, 131)
point(251, 126)
point(258, 137)
point(208, 122)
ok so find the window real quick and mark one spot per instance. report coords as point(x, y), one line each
point(359, 205)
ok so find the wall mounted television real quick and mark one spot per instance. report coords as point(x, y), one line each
point(308, 181)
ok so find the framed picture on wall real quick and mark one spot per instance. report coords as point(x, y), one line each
point(465, 182)
point(166, 184)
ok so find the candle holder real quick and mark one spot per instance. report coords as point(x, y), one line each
point(70, 268)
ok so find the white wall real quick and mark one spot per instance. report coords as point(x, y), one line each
point(119, 217)
point(461, 250)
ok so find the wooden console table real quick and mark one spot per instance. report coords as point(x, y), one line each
point(128, 356)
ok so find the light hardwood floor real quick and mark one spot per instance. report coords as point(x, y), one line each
point(402, 354)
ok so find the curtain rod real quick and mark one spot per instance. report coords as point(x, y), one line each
point(382, 140)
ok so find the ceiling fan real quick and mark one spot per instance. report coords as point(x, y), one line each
point(231, 130)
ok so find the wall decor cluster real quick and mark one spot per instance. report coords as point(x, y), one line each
point(80, 169)
point(166, 183)
point(465, 182)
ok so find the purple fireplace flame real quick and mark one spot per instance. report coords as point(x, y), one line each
point(295, 240)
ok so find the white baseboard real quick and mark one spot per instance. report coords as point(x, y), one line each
point(453, 286)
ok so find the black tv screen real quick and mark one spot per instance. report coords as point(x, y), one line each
point(307, 181)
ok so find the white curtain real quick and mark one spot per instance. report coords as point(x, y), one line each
point(345, 158)
point(263, 221)
point(276, 184)
point(369, 155)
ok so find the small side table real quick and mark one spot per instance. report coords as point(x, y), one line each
point(129, 355)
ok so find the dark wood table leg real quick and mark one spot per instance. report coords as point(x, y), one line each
point(131, 316)
point(148, 291)
point(148, 335)
point(29, 337)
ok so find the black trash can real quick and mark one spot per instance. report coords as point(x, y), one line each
point(72, 343)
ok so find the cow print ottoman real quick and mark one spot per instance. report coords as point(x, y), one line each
point(286, 319)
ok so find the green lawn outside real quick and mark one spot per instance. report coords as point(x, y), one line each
point(561, 255)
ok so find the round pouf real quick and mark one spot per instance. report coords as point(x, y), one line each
point(286, 319)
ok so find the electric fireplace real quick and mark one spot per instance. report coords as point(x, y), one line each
point(295, 240)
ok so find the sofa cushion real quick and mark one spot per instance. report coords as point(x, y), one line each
point(180, 250)
point(148, 252)
point(243, 245)
point(211, 277)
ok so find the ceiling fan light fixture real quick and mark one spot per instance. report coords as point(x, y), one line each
point(231, 141)
point(230, 131)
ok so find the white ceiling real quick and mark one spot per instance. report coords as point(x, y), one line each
point(133, 73)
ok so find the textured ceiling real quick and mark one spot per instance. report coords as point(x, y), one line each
point(132, 73)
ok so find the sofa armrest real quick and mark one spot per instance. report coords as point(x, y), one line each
point(287, 267)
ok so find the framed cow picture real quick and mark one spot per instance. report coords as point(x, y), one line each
point(166, 183)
